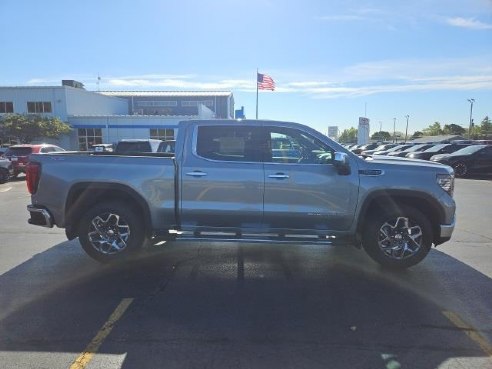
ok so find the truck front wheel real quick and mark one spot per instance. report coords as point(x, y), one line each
point(111, 231)
point(398, 239)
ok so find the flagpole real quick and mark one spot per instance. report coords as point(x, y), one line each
point(256, 93)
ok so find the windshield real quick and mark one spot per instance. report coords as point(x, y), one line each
point(436, 148)
point(398, 148)
point(18, 151)
point(468, 150)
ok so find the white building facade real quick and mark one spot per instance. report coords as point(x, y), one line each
point(111, 116)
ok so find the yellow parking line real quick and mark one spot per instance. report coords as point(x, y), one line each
point(86, 356)
point(470, 332)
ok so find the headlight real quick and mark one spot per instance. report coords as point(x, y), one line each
point(446, 182)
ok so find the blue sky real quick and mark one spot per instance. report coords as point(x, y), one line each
point(329, 59)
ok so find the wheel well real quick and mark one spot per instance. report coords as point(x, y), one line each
point(383, 203)
point(82, 197)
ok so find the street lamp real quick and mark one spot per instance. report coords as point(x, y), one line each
point(394, 129)
point(406, 131)
point(471, 101)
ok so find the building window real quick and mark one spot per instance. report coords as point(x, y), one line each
point(164, 134)
point(157, 103)
point(39, 107)
point(209, 103)
point(89, 137)
point(6, 107)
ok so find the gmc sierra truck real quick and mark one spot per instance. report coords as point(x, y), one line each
point(245, 181)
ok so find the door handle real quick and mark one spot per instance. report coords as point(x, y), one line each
point(278, 176)
point(196, 174)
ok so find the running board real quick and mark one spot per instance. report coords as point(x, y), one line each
point(253, 238)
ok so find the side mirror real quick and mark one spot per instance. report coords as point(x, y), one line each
point(342, 163)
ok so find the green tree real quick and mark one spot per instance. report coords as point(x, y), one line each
point(27, 128)
point(453, 129)
point(381, 136)
point(486, 127)
point(433, 130)
point(417, 134)
point(348, 135)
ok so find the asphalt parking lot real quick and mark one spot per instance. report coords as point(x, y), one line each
point(213, 305)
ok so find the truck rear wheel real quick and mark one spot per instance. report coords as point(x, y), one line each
point(111, 231)
point(398, 239)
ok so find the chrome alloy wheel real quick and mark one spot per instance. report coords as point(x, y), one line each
point(400, 238)
point(109, 233)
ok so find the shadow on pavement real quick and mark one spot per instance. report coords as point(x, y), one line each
point(216, 305)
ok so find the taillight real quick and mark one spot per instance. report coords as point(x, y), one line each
point(33, 172)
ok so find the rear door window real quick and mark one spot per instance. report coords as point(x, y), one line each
point(228, 143)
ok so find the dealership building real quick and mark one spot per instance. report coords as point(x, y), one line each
point(109, 116)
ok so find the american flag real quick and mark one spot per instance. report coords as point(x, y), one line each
point(265, 82)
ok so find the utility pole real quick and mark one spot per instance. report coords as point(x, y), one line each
point(380, 130)
point(394, 130)
point(471, 101)
point(406, 131)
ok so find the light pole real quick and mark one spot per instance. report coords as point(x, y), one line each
point(380, 130)
point(394, 130)
point(471, 101)
point(406, 131)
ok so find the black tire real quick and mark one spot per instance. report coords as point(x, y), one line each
point(4, 175)
point(119, 234)
point(387, 237)
point(460, 169)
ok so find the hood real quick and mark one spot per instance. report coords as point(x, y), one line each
point(390, 161)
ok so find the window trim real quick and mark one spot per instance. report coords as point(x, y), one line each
point(5, 104)
point(42, 105)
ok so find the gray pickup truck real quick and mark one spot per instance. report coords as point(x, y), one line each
point(245, 181)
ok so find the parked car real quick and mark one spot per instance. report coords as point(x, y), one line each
point(414, 148)
point(397, 148)
point(435, 150)
point(132, 146)
point(102, 148)
point(2, 151)
point(370, 146)
point(5, 170)
point(473, 159)
point(382, 147)
point(167, 146)
point(19, 154)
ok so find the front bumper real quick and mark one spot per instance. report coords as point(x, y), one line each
point(445, 232)
point(40, 216)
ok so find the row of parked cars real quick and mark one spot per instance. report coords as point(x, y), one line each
point(466, 157)
point(14, 159)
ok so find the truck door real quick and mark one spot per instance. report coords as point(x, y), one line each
point(303, 190)
point(222, 178)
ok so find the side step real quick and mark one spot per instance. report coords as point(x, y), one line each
point(179, 236)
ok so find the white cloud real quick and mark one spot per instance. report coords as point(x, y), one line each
point(370, 78)
point(182, 84)
point(470, 23)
